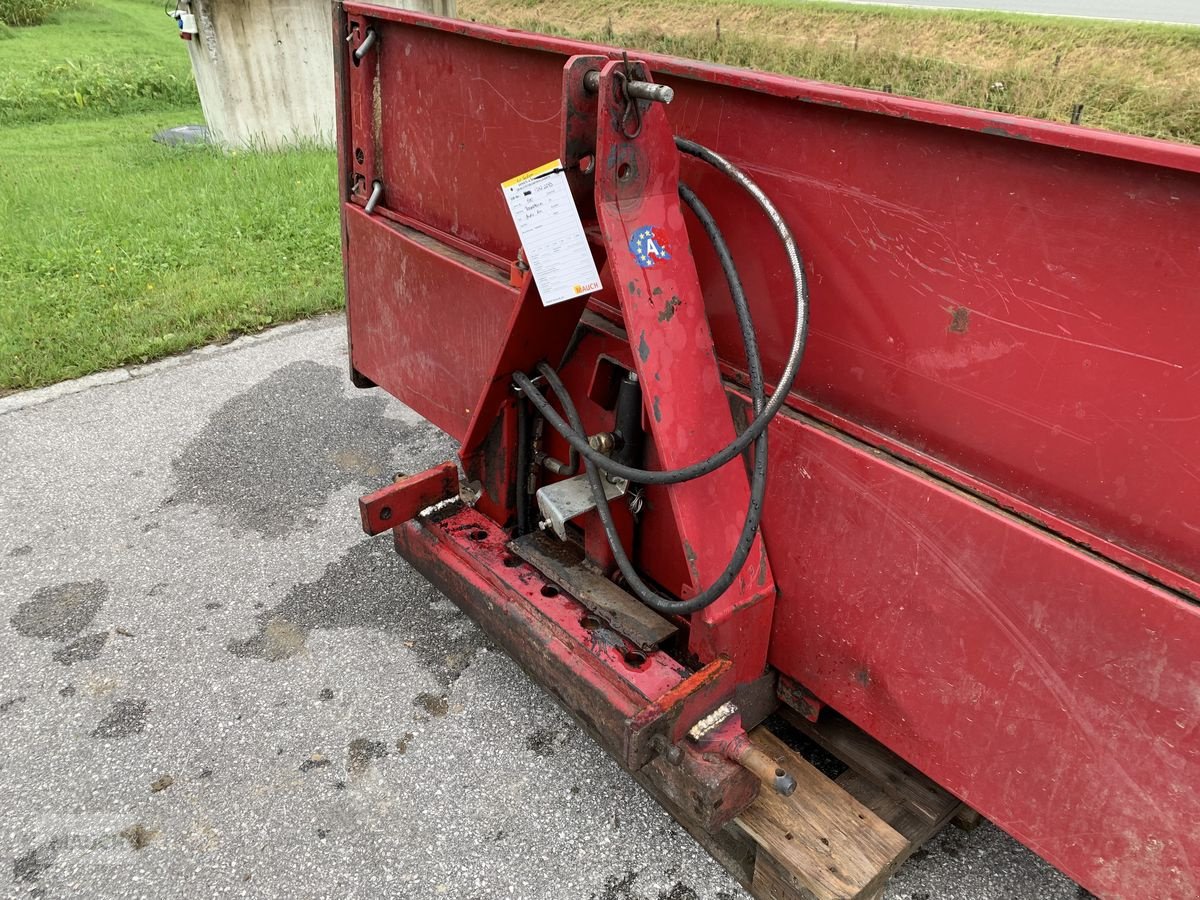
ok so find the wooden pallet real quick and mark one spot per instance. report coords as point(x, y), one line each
point(834, 838)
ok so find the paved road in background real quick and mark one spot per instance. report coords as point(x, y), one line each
point(1184, 12)
point(215, 686)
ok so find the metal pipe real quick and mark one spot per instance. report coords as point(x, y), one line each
point(540, 458)
point(639, 90)
point(523, 451)
point(373, 200)
point(558, 467)
point(365, 45)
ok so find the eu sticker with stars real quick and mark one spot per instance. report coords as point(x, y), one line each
point(649, 246)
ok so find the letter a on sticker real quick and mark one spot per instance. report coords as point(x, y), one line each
point(648, 246)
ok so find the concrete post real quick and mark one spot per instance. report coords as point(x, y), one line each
point(264, 68)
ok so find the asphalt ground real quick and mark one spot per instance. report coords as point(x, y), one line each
point(214, 685)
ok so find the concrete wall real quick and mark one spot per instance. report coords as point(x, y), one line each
point(264, 68)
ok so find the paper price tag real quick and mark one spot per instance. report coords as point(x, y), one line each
point(551, 232)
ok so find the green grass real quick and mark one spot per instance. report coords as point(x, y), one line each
point(1137, 78)
point(25, 13)
point(99, 59)
point(115, 249)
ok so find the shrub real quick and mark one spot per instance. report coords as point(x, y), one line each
point(24, 13)
point(92, 87)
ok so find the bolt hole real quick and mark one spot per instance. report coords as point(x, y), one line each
point(635, 659)
point(779, 773)
point(511, 562)
point(385, 513)
point(478, 535)
point(587, 164)
point(788, 835)
point(549, 590)
point(358, 155)
point(591, 623)
point(624, 171)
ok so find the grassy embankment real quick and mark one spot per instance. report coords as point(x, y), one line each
point(114, 249)
point(1142, 79)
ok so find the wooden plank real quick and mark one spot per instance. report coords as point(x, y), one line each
point(895, 812)
point(967, 819)
point(910, 822)
point(564, 563)
point(773, 882)
point(865, 755)
point(819, 840)
point(907, 820)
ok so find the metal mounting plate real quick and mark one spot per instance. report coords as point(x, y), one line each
point(564, 563)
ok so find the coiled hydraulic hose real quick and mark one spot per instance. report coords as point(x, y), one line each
point(760, 422)
point(595, 462)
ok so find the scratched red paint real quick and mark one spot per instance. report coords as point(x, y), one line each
point(1017, 316)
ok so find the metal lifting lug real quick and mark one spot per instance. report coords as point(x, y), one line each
point(368, 42)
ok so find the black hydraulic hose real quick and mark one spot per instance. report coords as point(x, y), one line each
point(523, 452)
point(758, 480)
point(763, 418)
point(595, 462)
point(737, 293)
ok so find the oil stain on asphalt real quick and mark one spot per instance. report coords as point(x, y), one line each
point(125, 718)
point(369, 587)
point(80, 649)
point(361, 752)
point(272, 455)
point(61, 612)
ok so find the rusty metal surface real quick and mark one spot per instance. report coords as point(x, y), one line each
point(581, 664)
point(1006, 304)
point(564, 563)
point(704, 792)
point(997, 292)
point(799, 698)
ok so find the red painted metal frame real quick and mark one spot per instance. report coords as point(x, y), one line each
point(662, 306)
point(621, 700)
point(982, 507)
point(389, 506)
point(993, 304)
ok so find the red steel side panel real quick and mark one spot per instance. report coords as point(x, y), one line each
point(1013, 298)
point(1048, 688)
point(1011, 303)
point(424, 327)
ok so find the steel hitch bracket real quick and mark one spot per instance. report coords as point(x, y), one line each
point(619, 154)
point(654, 277)
point(395, 504)
point(593, 646)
